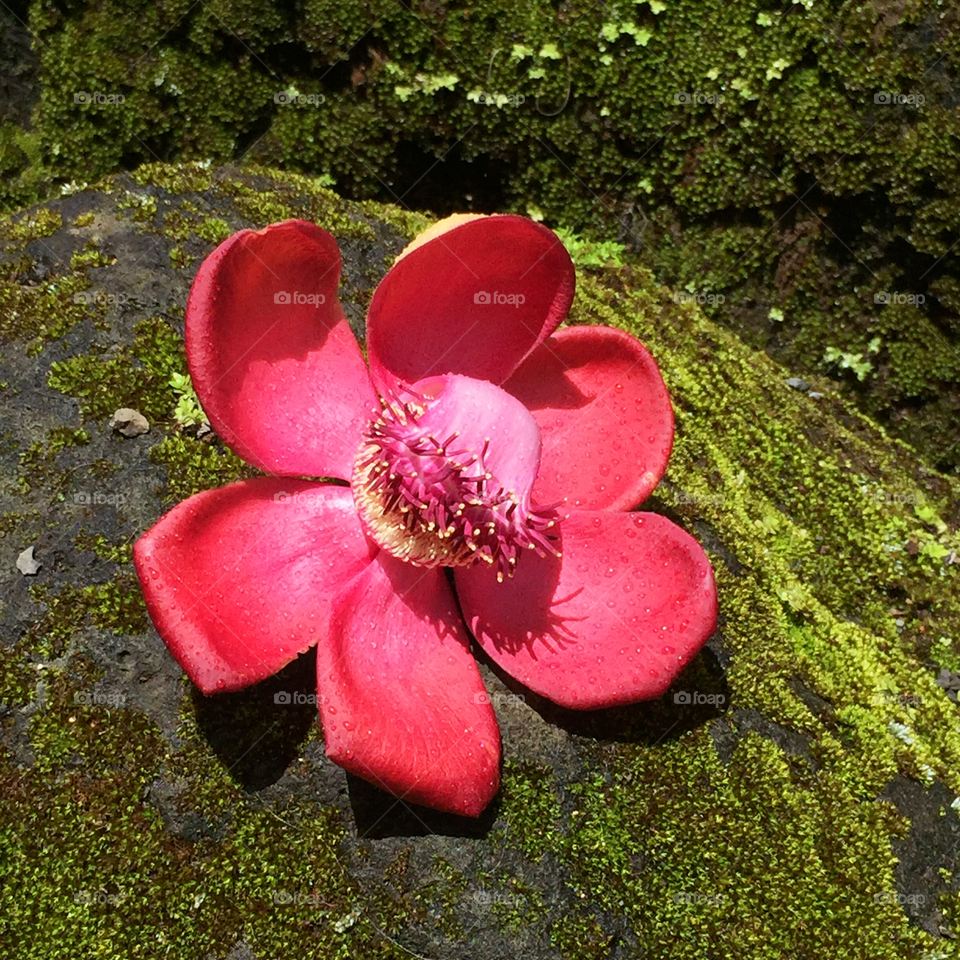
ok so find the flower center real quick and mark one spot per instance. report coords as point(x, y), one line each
point(432, 499)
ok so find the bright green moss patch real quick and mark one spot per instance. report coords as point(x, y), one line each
point(193, 466)
point(44, 311)
point(33, 225)
point(530, 808)
point(135, 376)
point(103, 548)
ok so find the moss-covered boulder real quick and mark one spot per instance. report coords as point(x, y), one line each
point(794, 794)
point(795, 169)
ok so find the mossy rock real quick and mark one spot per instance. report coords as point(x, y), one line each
point(801, 804)
point(794, 168)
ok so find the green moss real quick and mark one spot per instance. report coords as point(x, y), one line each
point(88, 258)
point(43, 312)
point(193, 466)
point(33, 225)
point(38, 463)
point(17, 520)
point(443, 895)
point(214, 230)
point(115, 605)
point(103, 548)
point(181, 179)
point(704, 181)
point(84, 219)
point(136, 376)
point(580, 938)
point(531, 809)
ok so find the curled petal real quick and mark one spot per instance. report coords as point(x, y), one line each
point(474, 300)
point(605, 418)
point(239, 580)
point(402, 701)
point(488, 422)
point(631, 602)
point(438, 229)
point(275, 365)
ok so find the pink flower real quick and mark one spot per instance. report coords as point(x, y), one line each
point(501, 449)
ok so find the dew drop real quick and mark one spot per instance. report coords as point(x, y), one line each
point(619, 388)
point(348, 725)
point(604, 469)
point(668, 649)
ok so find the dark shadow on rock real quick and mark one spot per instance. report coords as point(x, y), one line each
point(378, 814)
point(730, 730)
point(169, 797)
point(698, 695)
point(258, 732)
point(932, 844)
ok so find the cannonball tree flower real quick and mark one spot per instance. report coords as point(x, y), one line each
point(486, 462)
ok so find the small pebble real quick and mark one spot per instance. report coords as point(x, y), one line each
point(813, 395)
point(798, 384)
point(130, 423)
point(26, 563)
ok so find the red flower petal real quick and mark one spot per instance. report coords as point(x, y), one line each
point(426, 316)
point(239, 580)
point(613, 622)
point(605, 418)
point(403, 704)
point(283, 383)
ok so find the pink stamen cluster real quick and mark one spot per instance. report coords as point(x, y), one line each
point(432, 506)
